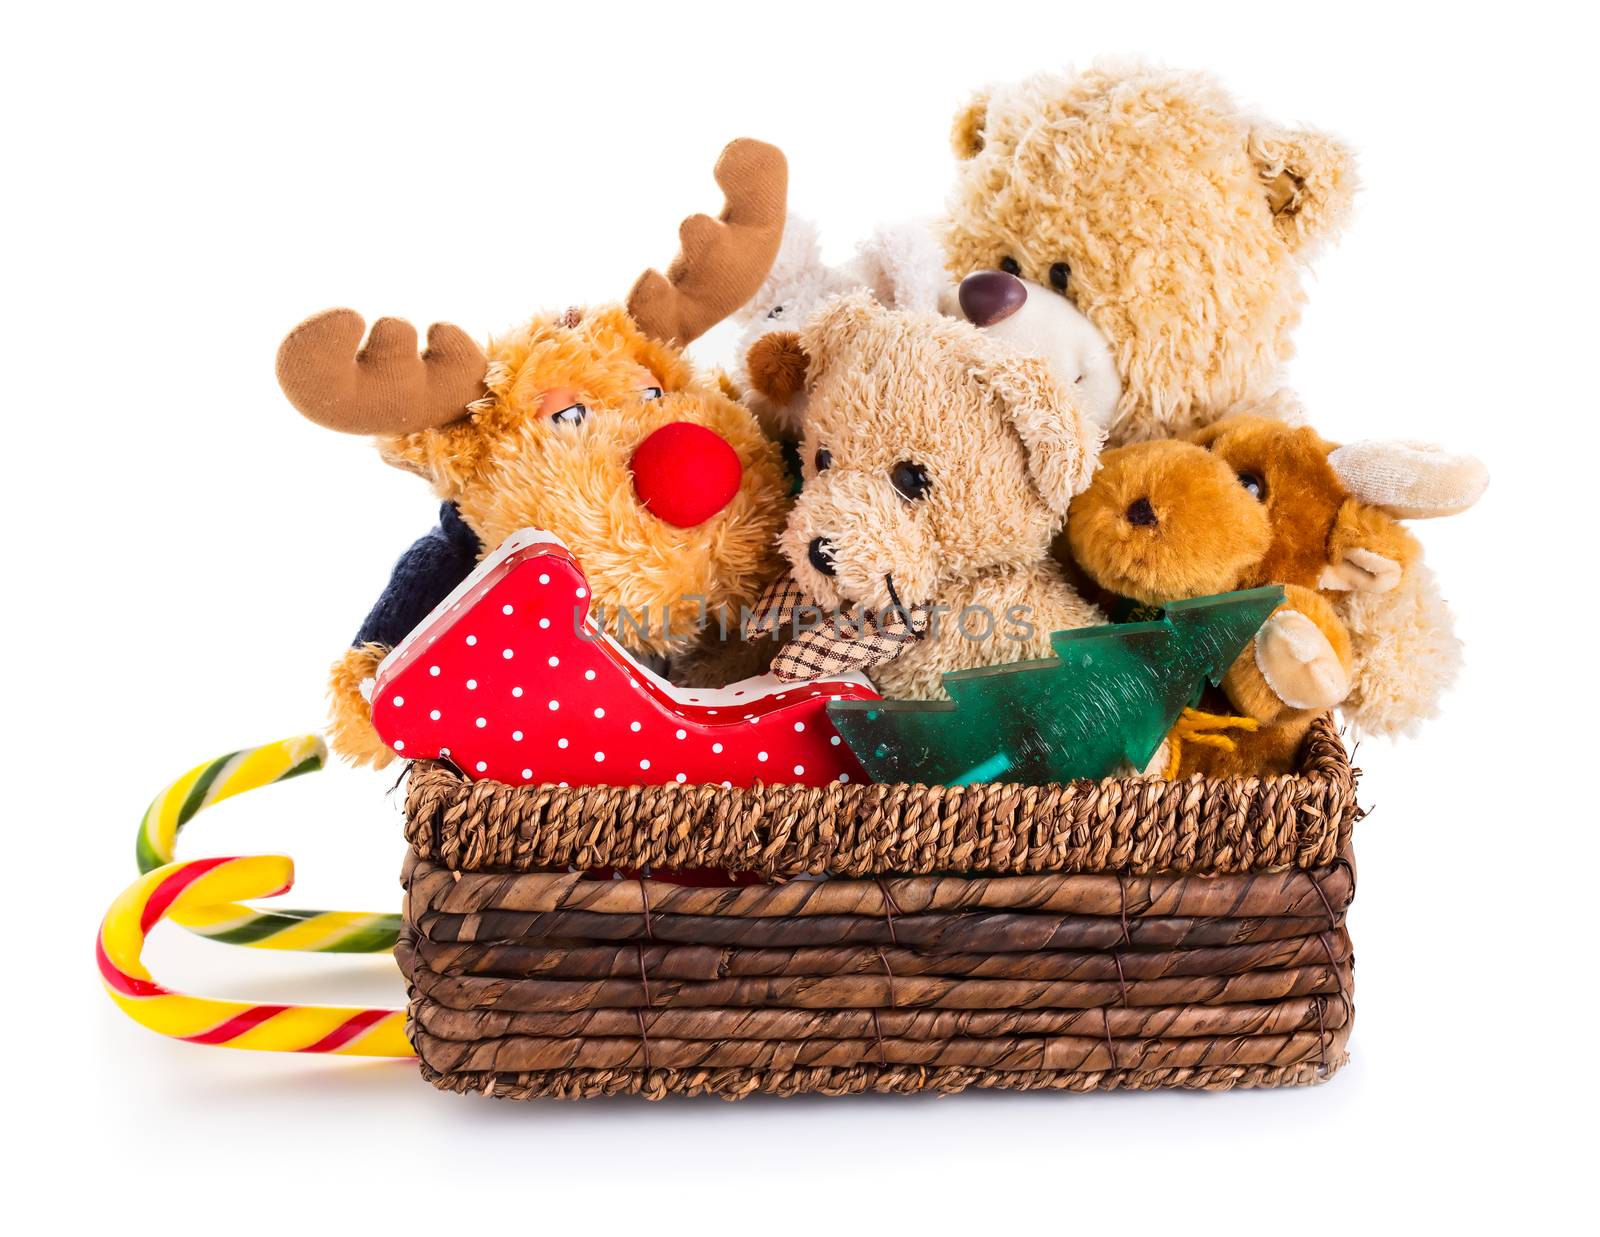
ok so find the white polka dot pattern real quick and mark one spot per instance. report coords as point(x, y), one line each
point(520, 608)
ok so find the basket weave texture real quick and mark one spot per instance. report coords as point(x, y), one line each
point(1121, 933)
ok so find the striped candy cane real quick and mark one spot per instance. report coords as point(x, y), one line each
point(177, 889)
point(348, 932)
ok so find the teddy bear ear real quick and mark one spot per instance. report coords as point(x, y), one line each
point(966, 133)
point(776, 365)
point(1063, 446)
point(1309, 180)
point(1410, 480)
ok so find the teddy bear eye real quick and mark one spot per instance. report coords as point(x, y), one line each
point(1254, 486)
point(824, 459)
point(1010, 266)
point(775, 312)
point(572, 414)
point(1059, 274)
point(910, 479)
point(650, 393)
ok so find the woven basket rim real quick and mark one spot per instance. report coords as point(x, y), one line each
point(1121, 824)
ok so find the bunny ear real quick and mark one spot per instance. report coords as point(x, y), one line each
point(1410, 480)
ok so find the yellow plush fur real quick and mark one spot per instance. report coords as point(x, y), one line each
point(1003, 449)
point(508, 466)
point(1185, 224)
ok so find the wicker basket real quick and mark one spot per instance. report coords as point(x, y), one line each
point(1122, 933)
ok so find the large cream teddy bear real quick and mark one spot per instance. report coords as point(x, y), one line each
point(1149, 237)
point(1135, 226)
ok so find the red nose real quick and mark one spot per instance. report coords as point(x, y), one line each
point(685, 474)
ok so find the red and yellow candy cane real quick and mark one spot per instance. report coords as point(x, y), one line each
point(351, 932)
point(192, 887)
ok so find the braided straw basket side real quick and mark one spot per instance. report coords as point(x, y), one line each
point(1123, 933)
point(1121, 824)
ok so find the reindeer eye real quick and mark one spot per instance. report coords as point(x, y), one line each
point(910, 479)
point(824, 459)
point(1009, 266)
point(1059, 273)
point(775, 312)
point(650, 393)
point(572, 414)
point(1254, 486)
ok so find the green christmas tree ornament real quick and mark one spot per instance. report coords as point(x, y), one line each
point(1108, 697)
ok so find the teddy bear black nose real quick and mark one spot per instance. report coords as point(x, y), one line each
point(1141, 513)
point(821, 555)
point(988, 297)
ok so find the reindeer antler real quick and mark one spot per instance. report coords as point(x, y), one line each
point(384, 387)
point(723, 260)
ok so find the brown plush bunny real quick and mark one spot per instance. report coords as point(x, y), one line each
point(938, 465)
point(590, 424)
point(1252, 501)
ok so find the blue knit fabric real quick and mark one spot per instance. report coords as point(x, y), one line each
point(422, 579)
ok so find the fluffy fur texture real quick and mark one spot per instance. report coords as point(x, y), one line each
point(1406, 654)
point(1183, 222)
point(350, 731)
point(509, 466)
point(1251, 501)
point(901, 265)
point(1001, 448)
point(1167, 520)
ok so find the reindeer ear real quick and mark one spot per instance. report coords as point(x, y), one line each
point(777, 366)
point(1310, 182)
point(1063, 445)
point(966, 133)
point(1368, 552)
point(1410, 480)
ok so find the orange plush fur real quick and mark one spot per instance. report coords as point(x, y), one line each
point(1246, 502)
point(508, 466)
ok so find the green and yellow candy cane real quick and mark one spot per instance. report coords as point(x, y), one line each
point(181, 891)
point(348, 932)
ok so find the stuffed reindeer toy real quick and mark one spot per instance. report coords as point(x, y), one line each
point(590, 424)
point(1252, 501)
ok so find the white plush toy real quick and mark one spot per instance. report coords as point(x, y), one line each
point(902, 265)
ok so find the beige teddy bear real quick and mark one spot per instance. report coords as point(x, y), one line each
point(902, 265)
point(938, 466)
point(1144, 233)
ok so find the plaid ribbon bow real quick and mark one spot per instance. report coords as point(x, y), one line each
point(837, 643)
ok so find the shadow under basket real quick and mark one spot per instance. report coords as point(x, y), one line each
point(1078, 937)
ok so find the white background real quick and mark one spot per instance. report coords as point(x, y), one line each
point(186, 555)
